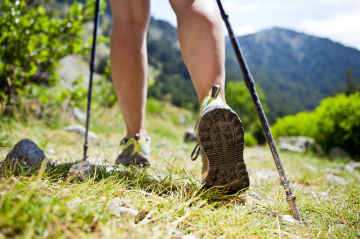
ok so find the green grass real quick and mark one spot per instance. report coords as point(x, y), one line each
point(168, 195)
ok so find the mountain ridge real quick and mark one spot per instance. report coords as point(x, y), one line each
point(302, 68)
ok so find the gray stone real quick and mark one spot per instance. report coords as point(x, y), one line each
point(323, 195)
point(78, 114)
point(264, 174)
point(332, 171)
point(310, 168)
point(177, 233)
point(255, 195)
point(26, 153)
point(161, 144)
point(50, 151)
point(351, 167)
point(335, 179)
point(289, 219)
point(338, 153)
point(190, 136)
point(292, 148)
point(189, 236)
point(122, 211)
point(301, 143)
point(79, 129)
point(81, 170)
point(71, 67)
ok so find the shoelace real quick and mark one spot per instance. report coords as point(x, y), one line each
point(197, 149)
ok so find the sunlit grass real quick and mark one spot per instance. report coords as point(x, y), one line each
point(168, 195)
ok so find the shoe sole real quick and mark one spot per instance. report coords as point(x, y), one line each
point(221, 137)
point(138, 159)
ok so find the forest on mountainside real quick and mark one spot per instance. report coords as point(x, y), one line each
point(294, 70)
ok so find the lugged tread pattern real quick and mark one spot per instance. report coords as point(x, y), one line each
point(221, 137)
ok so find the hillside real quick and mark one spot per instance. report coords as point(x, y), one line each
point(293, 67)
point(167, 196)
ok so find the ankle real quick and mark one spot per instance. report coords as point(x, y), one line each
point(142, 132)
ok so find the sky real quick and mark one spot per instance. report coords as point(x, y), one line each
point(338, 20)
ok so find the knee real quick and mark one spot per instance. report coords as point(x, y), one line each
point(204, 9)
point(130, 16)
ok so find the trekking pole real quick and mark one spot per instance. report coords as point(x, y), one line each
point(92, 68)
point(249, 81)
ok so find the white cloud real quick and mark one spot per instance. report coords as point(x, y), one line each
point(342, 28)
point(338, 20)
point(244, 30)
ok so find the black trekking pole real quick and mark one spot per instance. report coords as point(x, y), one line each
point(249, 81)
point(92, 68)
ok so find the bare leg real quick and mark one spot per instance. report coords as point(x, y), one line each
point(128, 60)
point(202, 43)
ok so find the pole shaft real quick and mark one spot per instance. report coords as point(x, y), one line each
point(92, 68)
point(249, 81)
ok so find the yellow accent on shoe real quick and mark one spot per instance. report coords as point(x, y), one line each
point(136, 151)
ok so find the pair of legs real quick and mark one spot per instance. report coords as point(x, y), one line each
point(202, 46)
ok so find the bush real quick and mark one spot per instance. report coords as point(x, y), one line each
point(335, 123)
point(32, 43)
point(250, 140)
point(239, 99)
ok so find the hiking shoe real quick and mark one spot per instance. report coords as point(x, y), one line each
point(136, 151)
point(220, 136)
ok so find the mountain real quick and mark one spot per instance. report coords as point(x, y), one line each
point(295, 70)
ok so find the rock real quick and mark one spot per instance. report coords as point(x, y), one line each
point(71, 67)
point(177, 233)
point(351, 167)
point(27, 153)
point(190, 136)
point(323, 196)
point(343, 226)
point(81, 170)
point(128, 211)
point(50, 151)
point(338, 153)
point(184, 147)
point(161, 144)
point(189, 236)
point(255, 195)
point(78, 114)
point(292, 148)
point(310, 167)
point(332, 171)
point(289, 219)
point(301, 143)
point(79, 129)
point(335, 179)
point(122, 211)
point(264, 174)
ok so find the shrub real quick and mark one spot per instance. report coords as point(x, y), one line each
point(335, 123)
point(31, 43)
point(338, 123)
point(239, 99)
point(250, 140)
